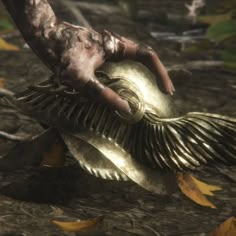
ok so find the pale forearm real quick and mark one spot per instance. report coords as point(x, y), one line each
point(34, 18)
point(72, 52)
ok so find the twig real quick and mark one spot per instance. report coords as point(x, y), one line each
point(81, 20)
point(154, 231)
point(98, 7)
point(5, 92)
point(196, 65)
point(13, 137)
point(9, 34)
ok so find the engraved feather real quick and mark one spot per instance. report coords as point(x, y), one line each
point(190, 141)
point(150, 135)
point(181, 143)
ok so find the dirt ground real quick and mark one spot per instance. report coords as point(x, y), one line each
point(30, 198)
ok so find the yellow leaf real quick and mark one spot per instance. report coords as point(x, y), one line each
point(227, 228)
point(206, 188)
point(2, 82)
point(189, 187)
point(8, 46)
point(80, 226)
point(54, 157)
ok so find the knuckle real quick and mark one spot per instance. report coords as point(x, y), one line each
point(145, 51)
point(111, 43)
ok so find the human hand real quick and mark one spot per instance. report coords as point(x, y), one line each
point(84, 56)
point(118, 48)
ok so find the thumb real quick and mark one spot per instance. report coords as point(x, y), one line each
point(97, 90)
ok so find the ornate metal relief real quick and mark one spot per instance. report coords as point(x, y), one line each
point(152, 138)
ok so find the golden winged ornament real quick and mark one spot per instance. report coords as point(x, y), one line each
point(147, 146)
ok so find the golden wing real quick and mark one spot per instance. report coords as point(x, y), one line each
point(188, 142)
point(180, 143)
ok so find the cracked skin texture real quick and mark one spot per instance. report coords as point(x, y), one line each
point(73, 52)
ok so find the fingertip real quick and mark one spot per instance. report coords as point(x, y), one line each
point(171, 92)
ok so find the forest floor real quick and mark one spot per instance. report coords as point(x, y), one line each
point(31, 198)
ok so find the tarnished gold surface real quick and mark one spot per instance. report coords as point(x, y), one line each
point(110, 161)
point(139, 82)
point(142, 146)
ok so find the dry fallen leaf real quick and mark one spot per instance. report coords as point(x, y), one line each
point(55, 157)
point(29, 152)
point(7, 46)
point(2, 82)
point(206, 188)
point(227, 228)
point(80, 226)
point(195, 189)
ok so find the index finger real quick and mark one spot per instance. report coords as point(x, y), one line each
point(150, 59)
